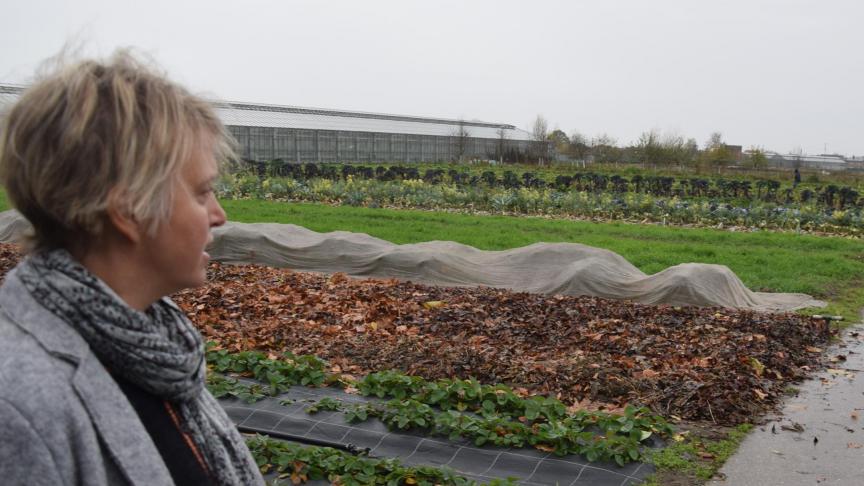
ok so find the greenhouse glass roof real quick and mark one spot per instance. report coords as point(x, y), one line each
point(242, 114)
point(260, 115)
point(8, 95)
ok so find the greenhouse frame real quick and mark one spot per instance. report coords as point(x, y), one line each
point(300, 135)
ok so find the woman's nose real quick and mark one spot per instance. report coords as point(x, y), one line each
point(217, 214)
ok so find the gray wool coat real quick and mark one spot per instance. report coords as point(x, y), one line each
point(63, 419)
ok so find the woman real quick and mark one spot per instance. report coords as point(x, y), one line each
point(101, 375)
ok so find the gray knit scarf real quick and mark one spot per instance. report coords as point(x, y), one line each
point(158, 350)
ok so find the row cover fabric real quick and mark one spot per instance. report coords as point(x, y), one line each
point(548, 268)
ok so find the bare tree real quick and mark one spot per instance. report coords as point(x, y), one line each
point(502, 144)
point(461, 136)
point(649, 150)
point(539, 134)
point(579, 146)
point(716, 153)
point(605, 149)
point(655, 148)
point(676, 150)
point(756, 157)
point(691, 150)
point(540, 128)
point(715, 141)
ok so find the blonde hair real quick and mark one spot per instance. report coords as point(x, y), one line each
point(96, 130)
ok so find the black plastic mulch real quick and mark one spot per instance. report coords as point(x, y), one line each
point(530, 466)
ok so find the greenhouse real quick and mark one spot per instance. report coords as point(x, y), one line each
point(295, 134)
point(8, 94)
point(267, 132)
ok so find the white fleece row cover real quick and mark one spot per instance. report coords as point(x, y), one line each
point(548, 268)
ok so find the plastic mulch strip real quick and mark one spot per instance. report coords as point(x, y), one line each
point(285, 416)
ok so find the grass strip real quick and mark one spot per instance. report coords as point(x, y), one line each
point(694, 457)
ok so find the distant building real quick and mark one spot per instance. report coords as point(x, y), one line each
point(296, 134)
point(794, 161)
point(8, 95)
point(855, 164)
point(736, 152)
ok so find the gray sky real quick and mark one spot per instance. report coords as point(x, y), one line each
point(781, 74)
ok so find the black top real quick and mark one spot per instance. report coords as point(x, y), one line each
point(180, 457)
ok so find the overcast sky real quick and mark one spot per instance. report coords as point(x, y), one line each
point(781, 74)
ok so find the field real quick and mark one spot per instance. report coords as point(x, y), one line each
point(709, 372)
point(682, 200)
point(827, 267)
point(811, 177)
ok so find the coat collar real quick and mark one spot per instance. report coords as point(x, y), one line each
point(53, 333)
point(118, 424)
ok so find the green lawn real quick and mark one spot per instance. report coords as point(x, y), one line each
point(830, 268)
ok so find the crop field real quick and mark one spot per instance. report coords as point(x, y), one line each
point(810, 177)
point(682, 200)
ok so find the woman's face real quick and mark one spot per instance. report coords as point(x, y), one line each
point(177, 251)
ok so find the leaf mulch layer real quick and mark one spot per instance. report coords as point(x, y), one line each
point(711, 364)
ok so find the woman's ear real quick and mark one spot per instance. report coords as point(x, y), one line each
point(121, 217)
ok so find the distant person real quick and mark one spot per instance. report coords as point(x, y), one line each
point(797, 179)
point(102, 377)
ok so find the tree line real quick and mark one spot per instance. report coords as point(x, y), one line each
point(653, 148)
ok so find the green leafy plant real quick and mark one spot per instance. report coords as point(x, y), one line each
point(300, 464)
point(598, 436)
point(280, 374)
point(650, 198)
point(222, 386)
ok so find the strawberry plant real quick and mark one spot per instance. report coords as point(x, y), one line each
point(596, 436)
point(222, 386)
point(300, 464)
point(280, 374)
